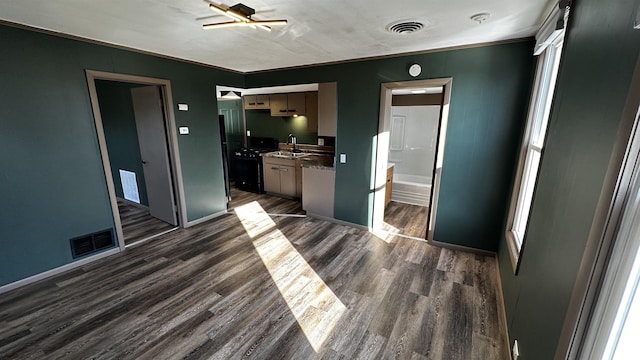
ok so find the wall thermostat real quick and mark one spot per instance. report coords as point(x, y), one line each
point(415, 70)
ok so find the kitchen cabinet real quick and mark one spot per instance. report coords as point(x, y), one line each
point(312, 111)
point(389, 186)
point(327, 109)
point(256, 102)
point(280, 176)
point(288, 104)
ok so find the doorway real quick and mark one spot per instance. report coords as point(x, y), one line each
point(411, 137)
point(139, 153)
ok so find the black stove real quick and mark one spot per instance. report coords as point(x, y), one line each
point(248, 163)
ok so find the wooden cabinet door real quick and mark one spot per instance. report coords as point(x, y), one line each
point(312, 111)
point(249, 102)
point(278, 104)
point(262, 102)
point(271, 174)
point(327, 109)
point(296, 104)
point(288, 180)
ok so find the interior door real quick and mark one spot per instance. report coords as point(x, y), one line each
point(149, 114)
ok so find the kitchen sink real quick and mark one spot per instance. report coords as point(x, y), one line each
point(287, 154)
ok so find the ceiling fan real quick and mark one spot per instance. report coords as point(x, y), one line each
point(240, 15)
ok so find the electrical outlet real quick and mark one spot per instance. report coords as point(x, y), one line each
point(343, 158)
point(515, 352)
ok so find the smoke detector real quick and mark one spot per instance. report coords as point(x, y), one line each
point(404, 27)
point(480, 18)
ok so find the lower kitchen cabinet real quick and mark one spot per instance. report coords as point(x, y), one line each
point(280, 176)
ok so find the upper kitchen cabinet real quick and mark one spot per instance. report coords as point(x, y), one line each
point(312, 111)
point(253, 102)
point(288, 104)
point(327, 109)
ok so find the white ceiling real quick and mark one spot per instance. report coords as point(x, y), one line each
point(318, 31)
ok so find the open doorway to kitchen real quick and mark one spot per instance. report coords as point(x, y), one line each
point(139, 154)
point(269, 134)
point(412, 129)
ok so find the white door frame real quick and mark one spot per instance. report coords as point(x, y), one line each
point(382, 155)
point(170, 124)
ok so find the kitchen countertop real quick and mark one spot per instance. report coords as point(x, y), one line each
point(317, 161)
point(309, 160)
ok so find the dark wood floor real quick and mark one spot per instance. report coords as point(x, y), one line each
point(137, 224)
point(250, 285)
point(406, 219)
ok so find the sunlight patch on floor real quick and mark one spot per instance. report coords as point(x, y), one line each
point(316, 308)
point(386, 233)
point(254, 219)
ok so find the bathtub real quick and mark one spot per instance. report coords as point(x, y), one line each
point(411, 189)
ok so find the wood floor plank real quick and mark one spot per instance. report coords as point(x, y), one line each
point(137, 223)
point(296, 288)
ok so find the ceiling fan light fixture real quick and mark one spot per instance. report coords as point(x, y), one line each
point(480, 18)
point(219, 10)
point(234, 15)
point(241, 16)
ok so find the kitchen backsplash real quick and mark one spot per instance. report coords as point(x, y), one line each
point(261, 123)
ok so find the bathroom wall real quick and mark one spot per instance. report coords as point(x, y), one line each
point(418, 141)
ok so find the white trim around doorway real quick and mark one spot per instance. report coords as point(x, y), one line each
point(382, 152)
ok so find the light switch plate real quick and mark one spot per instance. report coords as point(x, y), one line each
point(184, 130)
point(248, 132)
point(183, 107)
point(343, 158)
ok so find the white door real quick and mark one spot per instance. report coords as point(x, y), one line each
point(149, 113)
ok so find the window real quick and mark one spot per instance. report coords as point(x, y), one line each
point(548, 48)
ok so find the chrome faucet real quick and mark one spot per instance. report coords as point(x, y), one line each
point(292, 138)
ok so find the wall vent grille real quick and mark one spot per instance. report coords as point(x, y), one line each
point(91, 243)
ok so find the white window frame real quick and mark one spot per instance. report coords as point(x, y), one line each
point(548, 48)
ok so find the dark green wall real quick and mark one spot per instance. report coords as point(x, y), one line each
point(52, 183)
point(261, 123)
point(119, 124)
point(600, 53)
point(490, 91)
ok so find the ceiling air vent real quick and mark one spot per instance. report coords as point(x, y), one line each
point(404, 27)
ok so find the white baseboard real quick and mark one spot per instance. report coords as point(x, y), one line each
point(502, 309)
point(462, 248)
point(56, 271)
